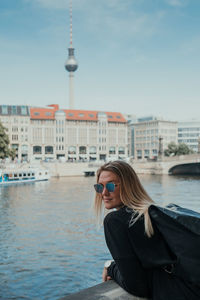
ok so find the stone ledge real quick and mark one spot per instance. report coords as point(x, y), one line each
point(104, 291)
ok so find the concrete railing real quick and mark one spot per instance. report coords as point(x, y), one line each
point(105, 291)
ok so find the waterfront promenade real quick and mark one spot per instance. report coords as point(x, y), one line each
point(190, 164)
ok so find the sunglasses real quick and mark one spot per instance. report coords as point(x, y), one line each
point(110, 186)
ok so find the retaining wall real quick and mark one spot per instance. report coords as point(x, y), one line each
point(105, 291)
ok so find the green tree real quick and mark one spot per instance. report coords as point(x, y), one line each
point(171, 149)
point(180, 149)
point(4, 144)
point(184, 149)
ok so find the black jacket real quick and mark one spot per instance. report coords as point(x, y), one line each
point(146, 266)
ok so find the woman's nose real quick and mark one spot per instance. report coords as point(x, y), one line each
point(105, 191)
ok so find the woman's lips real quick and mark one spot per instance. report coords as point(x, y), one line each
point(107, 200)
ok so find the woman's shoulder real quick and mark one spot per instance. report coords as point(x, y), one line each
point(123, 216)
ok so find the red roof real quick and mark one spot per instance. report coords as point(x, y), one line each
point(38, 113)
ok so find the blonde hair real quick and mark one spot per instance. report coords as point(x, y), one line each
point(132, 193)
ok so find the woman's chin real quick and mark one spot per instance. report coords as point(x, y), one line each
point(109, 206)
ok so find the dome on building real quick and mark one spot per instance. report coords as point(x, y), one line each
point(60, 113)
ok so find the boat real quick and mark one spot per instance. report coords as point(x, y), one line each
point(18, 176)
point(89, 173)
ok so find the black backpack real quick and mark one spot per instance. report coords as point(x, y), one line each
point(180, 228)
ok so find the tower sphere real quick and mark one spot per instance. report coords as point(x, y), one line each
point(71, 64)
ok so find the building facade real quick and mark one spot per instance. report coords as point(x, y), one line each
point(189, 134)
point(50, 133)
point(152, 134)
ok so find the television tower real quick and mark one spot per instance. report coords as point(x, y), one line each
point(71, 64)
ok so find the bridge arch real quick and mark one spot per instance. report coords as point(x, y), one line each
point(185, 169)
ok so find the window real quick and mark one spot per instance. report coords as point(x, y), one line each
point(81, 115)
point(92, 150)
point(121, 150)
point(23, 110)
point(118, 117)
point(146, 153)
point(48, 150)
point(112, 150)
point(91, 115)
point(155, 151)
point(4, 109)
point(82, 150)
point(37, 150)
point(13, 110)
point(14, 146)
point(48, 113)
point(110, 117)
point(70, 114)
point(24, 149)
point(36, 113)
point(14, 129)
point(72, 150)
point(139, 154)
point(15, 137)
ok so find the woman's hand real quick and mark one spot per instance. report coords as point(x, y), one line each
point(105, 276)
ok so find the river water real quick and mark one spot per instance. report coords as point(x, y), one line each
point(49, 243)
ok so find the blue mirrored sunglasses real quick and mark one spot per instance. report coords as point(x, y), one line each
point(110, 186)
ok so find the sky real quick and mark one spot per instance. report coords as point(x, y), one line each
point(139, 57)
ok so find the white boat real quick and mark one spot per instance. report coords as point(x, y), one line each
point(18, 176)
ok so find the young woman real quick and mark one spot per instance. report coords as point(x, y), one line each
point(143, 263)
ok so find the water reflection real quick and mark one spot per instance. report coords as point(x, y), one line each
point(49, 244)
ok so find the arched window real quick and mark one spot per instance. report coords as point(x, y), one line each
point(82, 150)
point(49, 150)
point(24, 149)
point(72, 150)
point(93, 150)
point(121, 150)
point(37, 150)
point(112, 150)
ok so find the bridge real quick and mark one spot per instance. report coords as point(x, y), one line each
point(175, 165)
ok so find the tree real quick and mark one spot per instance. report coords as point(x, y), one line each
point(171, 150)
point(180, 149)
point(4, 144)
point(184, 149)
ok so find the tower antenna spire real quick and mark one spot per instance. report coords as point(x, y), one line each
point(70, 14)
point(71, 63)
